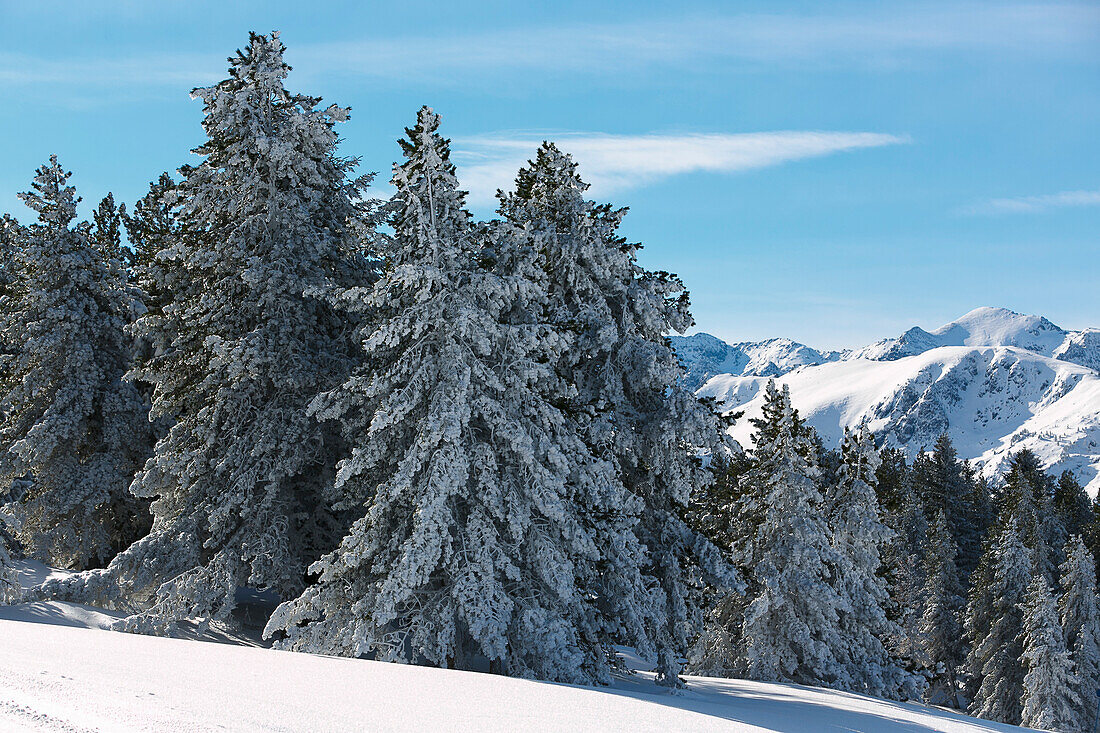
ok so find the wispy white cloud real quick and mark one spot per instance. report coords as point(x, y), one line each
point(888, 36)
point(613, 163)
point(882, 37)
point(1035, 204)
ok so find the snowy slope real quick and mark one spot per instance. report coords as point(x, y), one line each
point(992, 401)
point(54, 678)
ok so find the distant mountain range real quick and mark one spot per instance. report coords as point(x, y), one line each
point(995, 381)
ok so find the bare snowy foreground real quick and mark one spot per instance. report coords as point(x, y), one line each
point(59, 671)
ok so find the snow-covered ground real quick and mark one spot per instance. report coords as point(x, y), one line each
point(60, 672)
point(57, 678)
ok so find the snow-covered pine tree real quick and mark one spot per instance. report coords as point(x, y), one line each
point(1050, 699)
point(858, 537)
point(1080, 618)
point(940, 626)
point(790, 626)
point(69, 422)
point(625, 379)
point(246, 339)
point(476, 546)
point(994, 624)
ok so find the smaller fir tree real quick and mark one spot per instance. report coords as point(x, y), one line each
point(940, 627)
point(1050, 699)
point(858, 536)
point(69, 422)
point(994, 624)
point(1080, 617)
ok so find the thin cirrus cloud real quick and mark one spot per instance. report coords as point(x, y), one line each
point(1035, 204)
point(871, 37)
point(614, 163)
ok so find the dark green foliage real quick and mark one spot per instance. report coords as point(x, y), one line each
point(106, 230)
point(945, 483)
point(1072, 504)
point(154, 222)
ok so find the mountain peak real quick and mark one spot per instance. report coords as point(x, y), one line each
point(988, 326)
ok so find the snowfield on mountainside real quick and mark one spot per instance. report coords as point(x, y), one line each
point(995, 381)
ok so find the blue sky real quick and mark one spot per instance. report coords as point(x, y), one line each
point(833, 173)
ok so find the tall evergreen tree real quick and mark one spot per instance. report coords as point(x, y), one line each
point(858, 537)
point(789, 629)
point(477, 540)
point(941, 627)
point(1050, 699)
point(248, 340)
point(1080, 618)
point(623, 383)
point(69, 422)
point(994, 624)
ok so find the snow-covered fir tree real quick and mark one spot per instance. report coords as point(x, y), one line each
point(245, 338)
point(69, 422)
point(941, 623)
point(994, 624)
point(480, 542)
point(789, 628)
point(624, 383)
point(1050, 698)
point(858, 537)
point(1080, 618)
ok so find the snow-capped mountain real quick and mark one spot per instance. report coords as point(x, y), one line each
point(995, 381)
point(991, 327)
point(706, 356)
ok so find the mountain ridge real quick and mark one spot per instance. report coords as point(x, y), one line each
point(994, 380)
